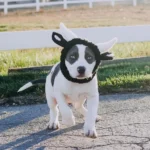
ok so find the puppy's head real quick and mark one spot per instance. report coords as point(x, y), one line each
point(80, 61)
point(80, 57)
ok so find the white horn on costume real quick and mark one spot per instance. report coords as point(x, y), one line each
point(67, 33)
point(105, 47)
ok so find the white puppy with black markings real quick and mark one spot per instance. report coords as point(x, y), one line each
point(74, 80)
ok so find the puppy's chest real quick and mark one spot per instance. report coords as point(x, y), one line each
point(76, 97)
point(77, 93)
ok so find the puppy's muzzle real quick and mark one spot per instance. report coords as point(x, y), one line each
point(81, 71)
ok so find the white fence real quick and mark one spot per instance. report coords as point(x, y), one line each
point(4, 4)
point(42, 38)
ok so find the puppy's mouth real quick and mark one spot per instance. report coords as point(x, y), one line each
point(81, 76)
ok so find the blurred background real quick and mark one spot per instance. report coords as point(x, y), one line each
point(24, 15)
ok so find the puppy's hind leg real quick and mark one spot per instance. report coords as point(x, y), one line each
point(54, 114)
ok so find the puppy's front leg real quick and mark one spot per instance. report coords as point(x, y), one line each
point(92, 106)
point(66, 112)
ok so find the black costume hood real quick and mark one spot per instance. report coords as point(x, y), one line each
point(67, 45)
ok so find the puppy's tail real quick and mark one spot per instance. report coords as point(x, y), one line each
point(32, 83)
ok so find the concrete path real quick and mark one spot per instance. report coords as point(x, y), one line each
point(124, 125)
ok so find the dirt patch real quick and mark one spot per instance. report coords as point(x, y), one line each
point(76, 17)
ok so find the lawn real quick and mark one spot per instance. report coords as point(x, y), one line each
point(40, 57)
point(123, 77)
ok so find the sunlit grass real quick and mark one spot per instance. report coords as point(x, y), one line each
point(28, 58)
point(111, 78)
point(40, 57)
point(125, 77)
point(127, 50)
point(121, 77)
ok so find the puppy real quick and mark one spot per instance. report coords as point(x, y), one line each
point(74, 80)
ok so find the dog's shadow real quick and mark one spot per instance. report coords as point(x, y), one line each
point(35, 138)
point(18, 116)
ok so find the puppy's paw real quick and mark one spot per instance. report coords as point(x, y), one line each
point(68, 121)
point(90, 132)
point(53, 126)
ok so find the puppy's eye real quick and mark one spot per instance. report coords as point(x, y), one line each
point(72, 56)
point(89, 57)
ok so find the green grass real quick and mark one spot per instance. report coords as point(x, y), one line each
point(127, 50)
point(112, 78)
point(123, 77)
point(11, 84)
point(3, 28)
point(26, 58)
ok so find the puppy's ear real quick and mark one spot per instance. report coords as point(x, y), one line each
point(58, 39)
point(106, 56)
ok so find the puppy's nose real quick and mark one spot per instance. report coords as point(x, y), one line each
point(81, 69)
